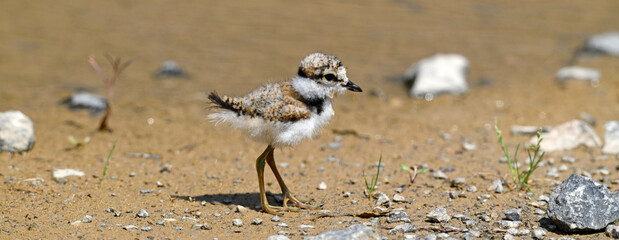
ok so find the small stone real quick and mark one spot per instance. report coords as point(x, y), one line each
point(256, 221)
point(282, 225)
point(142, 213)
point(497, 186)
point(382, 199)
point(439, 175)
point(146, 191)
point(505, 224)
point(275, 219)
point(567, 136)
point(346, 194)
point(160, 185)
point(611, 138)
point(118, 213)
point(167, 168)
point(171, 69)
point(398, 198)
point(539, 233)
point(438, 74)
point(357, 231)
point(438, 215)
point(110, 210)
point(132, 174)
point(161, 222)
point(403, 228)
point(178, 228)
point(579, 73)
point(241, 209)
point(322, 186)
point(458, 182)
point(398, 216)
point(146, 228)
point(278, 237)
point(469, 146)
point(237, 222)
point(130, 227)
point(513, 214)
point(306, 226)
point(472, 189)
point(201, 227)
point(16, 132)
point(612, 231)
point(334, 145)
point(87, 219)
point(60, 174)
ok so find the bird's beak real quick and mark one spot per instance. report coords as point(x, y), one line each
point(352, 87)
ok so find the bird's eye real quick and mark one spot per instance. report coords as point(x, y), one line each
point(329, 76)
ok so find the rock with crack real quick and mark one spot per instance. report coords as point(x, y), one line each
point(581, 204)
point(567, 136)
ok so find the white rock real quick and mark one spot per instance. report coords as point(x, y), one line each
point(568, 136)
point(607, 43)
point(579, 73)
point(611, 138)
point(16, 132)
point(441, 73)
point(60, 174)
point(87, 100)
point(322, 186)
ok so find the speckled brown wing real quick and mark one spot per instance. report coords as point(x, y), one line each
point(275, 102)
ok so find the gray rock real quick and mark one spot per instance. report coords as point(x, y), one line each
point(439, 175)
point(398, 216)
point(611, 138)
point(382, 199)
point(579, 73)
point(306, 226)
point(582, 204)
point(87, 219)
point(568, 136)
point(441, 73)
point(505, 224)
point(170, 69)
point(606, 43)
point(513, 214)
point(256, 221)
point(612, 231)
point(142, 213)
point(278, 237)
point(458, 182)
point(354, 232)
point(275, 219)
point(438, 215)
point(398, 198)
point(404, 228)
point(146, 228)
point(84, 100)
point(497, 186)
point(16, 132)
point(130, 227)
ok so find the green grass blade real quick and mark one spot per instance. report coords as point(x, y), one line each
point(107, 162)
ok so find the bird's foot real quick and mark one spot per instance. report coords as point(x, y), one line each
point(302, 204)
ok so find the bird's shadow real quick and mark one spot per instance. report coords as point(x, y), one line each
point(248, 200)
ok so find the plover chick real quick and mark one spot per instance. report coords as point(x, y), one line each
point(282, 114)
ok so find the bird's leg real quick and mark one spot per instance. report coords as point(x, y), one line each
point(286, 194)
point(264, 203)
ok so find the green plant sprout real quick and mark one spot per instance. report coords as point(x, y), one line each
point(78, 144)
point(107, 162)
point(412, 172)
point(521, 178)
point(372, 185)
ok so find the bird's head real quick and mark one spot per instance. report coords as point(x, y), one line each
point(327, 71)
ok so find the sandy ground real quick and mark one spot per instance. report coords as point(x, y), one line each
point(235, 46)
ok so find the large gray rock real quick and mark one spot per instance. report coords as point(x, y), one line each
point(441, 73)
point(16, 132)
point(568, 136)
point(581, 204)
point(354, 232)
point(611, 138)
point(607, 43)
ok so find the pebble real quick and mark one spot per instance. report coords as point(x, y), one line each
point(441, 73)
point(579, 73)
point(382, 199)
point(553, 172)
point(606, 43)
point(398, 216)
point(146, 228)
point(170, 69)
point(256, 221)
point(513, 214)
point(142, 213)
point(334, 145)
point(357, 231)
point(306, 226)
point(84, 100)
point(322, 186)
point(110, 210)
point(497, 186)
point(439, 175)
point(60, 174)
point(567, 136)
point(275, 219)
point(403, 228)
point(16, 132)
point(237, 222)
point(612, 231)
point(438, 215)
point(201, 227)
point(242, 210)
point(282, 225)
point(161, 222)
point(611, 138)
point(538, 233)
point(278, 237)
point(505, 224)
point(130, 227)
point(472, 189)
point(87, 219)
point(398, 198)
point(458, 182)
